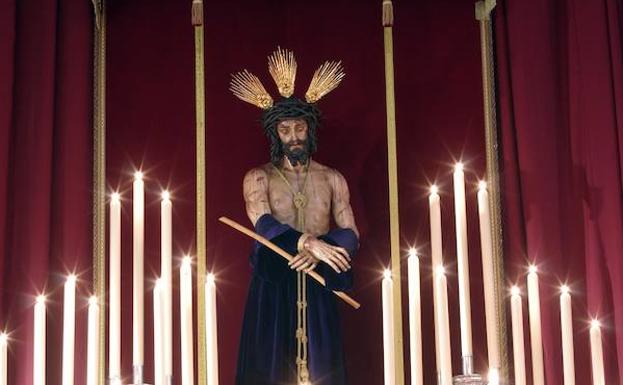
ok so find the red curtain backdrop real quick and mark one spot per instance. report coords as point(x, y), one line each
point(561, 103)
point(150, 123)
point(45, 173)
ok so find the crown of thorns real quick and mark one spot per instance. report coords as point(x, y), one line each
point(282, 67)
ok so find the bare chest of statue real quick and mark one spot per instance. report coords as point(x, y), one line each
point(312, 195)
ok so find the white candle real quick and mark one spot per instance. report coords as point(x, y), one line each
point(488, 276)
point(138, 291)
point(211, 331)
point(4, 372)
point(434, 205)
point(462, 259)
point(166, 236)
point(186, 321)
point(519, 356)
point(69, 330)
point(415, 319)
point(445, 355)
point(388, 328)
point(566, 327)
point(597, 354)
point(93, 348)
point(114, 338)
point(436, 252)
point(536, 343)
point(38, 362)
point(159, 369)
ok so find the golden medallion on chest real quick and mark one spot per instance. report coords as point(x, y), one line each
point(298, 197)
point(300, 200)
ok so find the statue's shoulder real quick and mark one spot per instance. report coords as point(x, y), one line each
point(261, 171)
point(329, 172)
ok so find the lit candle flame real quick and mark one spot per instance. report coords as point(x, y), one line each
point(434, 189)
point(515, 290)
point(166, 195)
point(482, 185)
point(564, 289)
point(387, 274)
point(458, 166)
point(211, 277)
point(138, 175)
point(532, 269)
point(440, 270)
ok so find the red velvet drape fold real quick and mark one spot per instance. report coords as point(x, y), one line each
point(561, 98)
point(45, 172)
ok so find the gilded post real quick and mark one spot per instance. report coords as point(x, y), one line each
point(197, 22)
point(99, 173)
point(483, 15)
point(392, 165)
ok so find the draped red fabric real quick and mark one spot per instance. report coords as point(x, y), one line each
point(561, 103)
point(45, 173)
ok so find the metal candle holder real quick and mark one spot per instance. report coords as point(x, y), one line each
point(137, 375)
point(468, 377)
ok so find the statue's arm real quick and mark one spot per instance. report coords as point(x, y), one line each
point(255, 190)
point(342, 210)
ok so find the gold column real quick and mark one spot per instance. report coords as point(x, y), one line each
point(392, 166)
point(197, 21)
point(99, 173)
point(483, 15)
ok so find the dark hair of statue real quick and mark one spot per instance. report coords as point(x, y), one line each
point(290, 108)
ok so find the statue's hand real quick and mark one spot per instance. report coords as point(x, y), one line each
point(304, 262)
point(334, 256)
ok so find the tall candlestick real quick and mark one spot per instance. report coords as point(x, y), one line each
point(38, 362)
point(415, 319)
point(437, 259)
point(4, 372)
point(114, 337)
point(463, 268)
point(93, 349)
point(519, 356)
point(69, 330)
point(211, 331)
point(566, 327)
point(186, 321)
point(138, 291)
point(159, 369)
point(166, 226)
point(488, 276)
point(536, 341)
point(388, 329)
point(597, 354)
point(445, 355)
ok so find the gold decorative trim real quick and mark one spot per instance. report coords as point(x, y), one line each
point(392, 165)
point(197, 20)
point(99, 173)
point(483, 15)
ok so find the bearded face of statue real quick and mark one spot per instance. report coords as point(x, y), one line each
point(295, 145)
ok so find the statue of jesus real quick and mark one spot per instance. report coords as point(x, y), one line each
point(291, 328)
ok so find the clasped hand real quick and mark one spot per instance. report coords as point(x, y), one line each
point(316, 250)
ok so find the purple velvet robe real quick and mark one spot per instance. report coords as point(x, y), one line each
point(267, 350)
